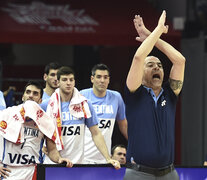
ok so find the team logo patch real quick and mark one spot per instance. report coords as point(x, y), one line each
point(3, 124)
point(16, 117)
point(77, 108)
point(39, 113)
point(163, 103)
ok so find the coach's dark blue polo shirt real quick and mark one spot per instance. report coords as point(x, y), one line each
point(151, 126)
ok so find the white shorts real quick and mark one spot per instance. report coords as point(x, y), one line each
point(20, 172)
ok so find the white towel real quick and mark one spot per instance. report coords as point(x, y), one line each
point(78, 105)
point(12, 121)
point(78, 108)
point(44, 122)
point(11, 124)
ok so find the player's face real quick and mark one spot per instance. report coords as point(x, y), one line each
point(32, 93)
point(51, 78)
point(120, 155)
point(153, 72)
point(100, 80)
point(67, 83)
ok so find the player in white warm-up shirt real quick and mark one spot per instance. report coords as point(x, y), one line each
point(109, 107)
point(21, 158)
point(18, 159)
point(27, 153)
point(73, 130)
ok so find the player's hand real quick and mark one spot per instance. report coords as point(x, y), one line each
point(68, 162)
point(4, 172)
point(115, 163)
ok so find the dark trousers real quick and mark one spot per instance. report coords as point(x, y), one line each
point(132, 174)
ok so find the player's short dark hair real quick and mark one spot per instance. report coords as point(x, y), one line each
point(99, 67)
point(52, 65)
point(65, 70)
point(36, 84)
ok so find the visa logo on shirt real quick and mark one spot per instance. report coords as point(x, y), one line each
point(70, 130)
point(21, 159)
point(104, 123)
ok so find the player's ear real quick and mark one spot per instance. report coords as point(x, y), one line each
point(40, 101)
point(92, 78)
point(45, 76)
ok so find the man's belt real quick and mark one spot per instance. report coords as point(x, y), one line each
point(154, 171)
